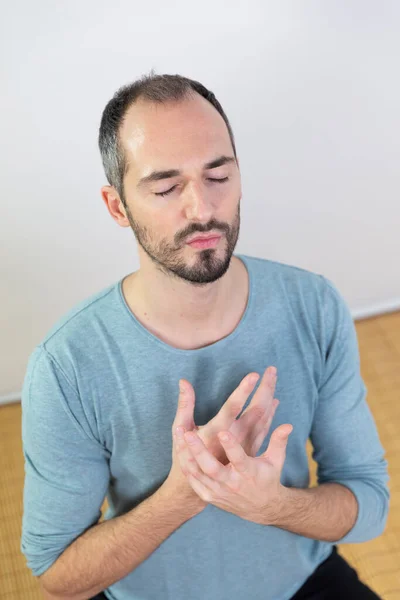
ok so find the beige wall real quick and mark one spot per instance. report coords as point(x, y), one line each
point(313, 97)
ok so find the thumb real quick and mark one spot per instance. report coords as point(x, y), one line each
point(185, 410)
point(276, 451)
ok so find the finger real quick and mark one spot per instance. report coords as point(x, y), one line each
point(200, 488)
point(212, 486)
point(207, 463)
point(263, 397)
point(186, 460)
point(252, 421)
point(256, 423)
point(185, 411)
point(233, 406)
point(275, 454)
point(263, 429)
point(238, 458)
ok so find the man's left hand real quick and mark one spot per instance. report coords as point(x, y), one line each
point(247, 487)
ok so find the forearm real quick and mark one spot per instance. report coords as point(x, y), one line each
point(110, 550)
point(326, 512)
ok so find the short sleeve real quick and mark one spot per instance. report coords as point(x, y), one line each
point(346, 443)
point(66, 470)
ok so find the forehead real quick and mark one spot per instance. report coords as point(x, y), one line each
point(173, 135)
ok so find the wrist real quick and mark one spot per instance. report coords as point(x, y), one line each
point(186, 505)
point(274, 509)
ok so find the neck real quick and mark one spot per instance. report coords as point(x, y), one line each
point(168, 304)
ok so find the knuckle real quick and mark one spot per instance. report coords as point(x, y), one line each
point(259, 412)
point(184, 402)
point(235, 409)
point(234, 486)
point(240, 466)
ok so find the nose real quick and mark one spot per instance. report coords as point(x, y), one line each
point(197, 203)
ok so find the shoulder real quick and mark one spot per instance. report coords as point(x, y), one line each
point(282, 278)
point(80, 320)
point(79, 336)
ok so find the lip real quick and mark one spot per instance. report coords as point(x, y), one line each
point(204, 238)
point(203, 243)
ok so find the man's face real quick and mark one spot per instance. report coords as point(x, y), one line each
point(182, 136)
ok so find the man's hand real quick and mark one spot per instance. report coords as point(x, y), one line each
point(250, 430)
point(247, 487)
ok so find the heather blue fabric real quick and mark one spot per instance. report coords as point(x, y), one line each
point(99, 398)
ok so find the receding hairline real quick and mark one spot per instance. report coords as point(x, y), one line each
point(143, 101)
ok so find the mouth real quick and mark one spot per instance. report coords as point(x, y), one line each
point(205, 242)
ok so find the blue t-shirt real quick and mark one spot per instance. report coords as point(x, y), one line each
point(100, 396)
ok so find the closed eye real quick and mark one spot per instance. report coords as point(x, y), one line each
point(172, 189)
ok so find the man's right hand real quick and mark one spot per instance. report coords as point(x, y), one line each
point(250, 430)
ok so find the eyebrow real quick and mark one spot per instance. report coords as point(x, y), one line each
point(157, 175)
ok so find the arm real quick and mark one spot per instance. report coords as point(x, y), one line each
point(327, 512)
point(344, 436)
point(350, 504)
point(110, 550)
point(66, 478)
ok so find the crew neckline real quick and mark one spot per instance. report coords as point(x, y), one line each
point(211, 347)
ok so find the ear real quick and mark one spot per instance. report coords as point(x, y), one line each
point(114, 205)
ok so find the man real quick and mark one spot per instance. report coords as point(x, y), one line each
point(100, 400)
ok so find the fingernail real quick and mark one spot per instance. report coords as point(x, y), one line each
point(224, 437)
point(179, 432)
point(182, 388)
point(273, 371)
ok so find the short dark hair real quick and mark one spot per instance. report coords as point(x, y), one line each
point(154, 88)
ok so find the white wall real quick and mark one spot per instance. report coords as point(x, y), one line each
point(312, 91)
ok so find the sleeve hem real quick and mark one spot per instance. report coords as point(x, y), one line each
point(369, 522)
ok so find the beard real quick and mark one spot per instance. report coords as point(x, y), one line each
point(206, 266)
